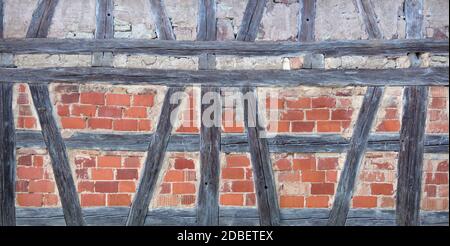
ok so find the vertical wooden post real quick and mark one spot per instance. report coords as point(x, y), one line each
point(412, 133)
point(104, 15)
point(208, 194)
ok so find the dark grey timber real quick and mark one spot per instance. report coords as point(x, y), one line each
point(7, 146)
point(307, 17)
point(39, 26)
point(104, 29)
point(395, 47)
point(208, 195)
point(436, 76)
point(229, 216)
point(412, 132)
point(360, 136)
point(326, 143)
point(266, 196)
point(7, 157)
point(160, 138)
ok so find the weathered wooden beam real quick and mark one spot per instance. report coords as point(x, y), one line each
point(360, 136)
point(1, 18)
point(38, 28)
point(266, 196)
point(355, 154)
point(252, 19)
point(307, 19)
point(208, 194)
point(229, 216)
point(436, 76)
point(104, 29)
point(412, 132)
point(160, 138)
point(394, 47)
point(7, 157)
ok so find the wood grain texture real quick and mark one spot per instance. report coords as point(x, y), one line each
point(412, 132)
point(355, 154)
point(208, 194)
point(229, 216)
point(251, 21)
point(328, 143)
point(360, 136)
point(41, 19)
point(370, 19)
point(38, 28)
point(58, 155)
point(7, 157)
point(436, 76)
point(307, 19)
point(104, 29)
point(164, 29)
point(394, 47)
point(1, 18)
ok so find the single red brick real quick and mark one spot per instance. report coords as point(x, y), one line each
point(242, 186)
point(84, 110)
point(45, 186)
point(233, 173)
point(317, 201)
point(387, 202)
point(166, 188)
point(389, 126)
point(94, 98)
point(22, 88)
point(50, 200)
point(232, 199)
point(110, 111)
point(145, 125)
point(438, 103)
point(125, 125)
point(181, 163)
point(143, 100)
point(436, 178)
point(85, 161)
point(29, 199)
point(102, 174)
point(136, 112)
point(303, 126)
point(22, 98)
point(73, 123)
point(278, 126)
point(99, 123)
point(119, 200)
point(430, 190)
point(327, 163)
point(438, 91)
point(183, 188)
point(382, 189)
point(292, 201)
point(299, 103)
point(118, 99)
point(26, 122)
point(318, 114)
point(323, 102)
point(187, 199)
point(292, 115)
point(364, 201)
point(289, 177)
point(237, 161)
point(22, 185)
point(63, 110)
point(38, 160)
point(174, 176)
point(127, 186)
point(190, 175)
point(322, 189)
point(82, 173)
point(442, 166)
point(438, 127)
point(132, 161)
point(331, 176)
point(250, 199)
point(328, 126)
point(25, 160)
point(341, 114)
point(109, 161)
point(106, 186)
point(86, 186)
point(283, 165)
point(305, 163)
point(125, 174)
point(93, 200)
point(391, 113)
point(313, 176)
point(30, 173)
point(70, 98)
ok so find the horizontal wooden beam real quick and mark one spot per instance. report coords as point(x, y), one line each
point(230, 142)
point(393, 47)
point(437, 76)
point(227, 216)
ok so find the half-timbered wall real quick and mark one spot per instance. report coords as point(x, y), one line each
point(105, 176)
